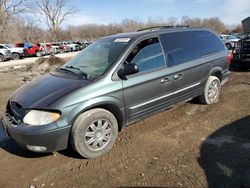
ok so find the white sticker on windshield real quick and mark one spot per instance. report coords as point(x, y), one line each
point(122, 40)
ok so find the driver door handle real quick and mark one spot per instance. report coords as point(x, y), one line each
point(165, 80)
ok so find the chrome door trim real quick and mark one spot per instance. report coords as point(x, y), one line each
point(164, 96)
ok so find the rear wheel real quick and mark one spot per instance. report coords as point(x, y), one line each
point(15, 56)
point(211, 91)
point(38, 54)
point(94, 132)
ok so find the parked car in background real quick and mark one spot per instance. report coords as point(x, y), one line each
point(5, 53)
point(85, 44)
point(47, 48)
point(73, 47)
point(16, 52)
point(229, 40)
point(239, 35)
point(31, 49)
point(62, 47)
point(114, 82)
point(80, 45)
point(55, 49)
point(50, 48)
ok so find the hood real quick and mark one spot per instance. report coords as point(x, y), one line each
point(234, 40)
point(44, 91)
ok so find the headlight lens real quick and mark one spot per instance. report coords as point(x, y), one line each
point(36, 117)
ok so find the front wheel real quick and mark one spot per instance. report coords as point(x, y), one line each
point(94, 132)
point(211, 91)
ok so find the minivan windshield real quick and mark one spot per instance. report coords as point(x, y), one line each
point(95, 59)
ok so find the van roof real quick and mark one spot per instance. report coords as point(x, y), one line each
point(156, 30)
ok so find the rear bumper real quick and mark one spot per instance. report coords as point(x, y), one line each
point(225, 75)
point(49, 137)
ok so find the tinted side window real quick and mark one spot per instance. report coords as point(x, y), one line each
point(147, 55)
point(209, 43)
point(179, 47)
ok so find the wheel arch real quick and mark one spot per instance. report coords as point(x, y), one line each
point(217, 72)
point(112, 106)
point(15, 53)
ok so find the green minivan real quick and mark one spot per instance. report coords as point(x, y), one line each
point(113, 82)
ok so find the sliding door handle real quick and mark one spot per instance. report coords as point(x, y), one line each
point(178, 76)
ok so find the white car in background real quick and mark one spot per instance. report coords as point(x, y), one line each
point(55, 49)
point(5, 54)
point(16, 52)
point(229, 40)
point(73, 47)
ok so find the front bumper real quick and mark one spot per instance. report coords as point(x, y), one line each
point(7, 56)
point(49, 137)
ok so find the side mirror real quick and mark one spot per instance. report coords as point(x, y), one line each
point(128, 69)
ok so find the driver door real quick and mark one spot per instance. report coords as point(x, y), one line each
point(145, 91)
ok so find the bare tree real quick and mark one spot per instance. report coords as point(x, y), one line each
point(54, 13)
point(29, 31)
point(8, 10)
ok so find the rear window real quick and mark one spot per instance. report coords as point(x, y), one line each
point(181, 47)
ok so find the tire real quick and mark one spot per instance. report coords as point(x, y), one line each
point(211, 91)
point(15, 56)
point(38, 54)
point(228, 45)
point(1, 58)
point(94, 132)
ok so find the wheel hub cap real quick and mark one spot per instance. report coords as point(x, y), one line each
point(213, 91)
point(98, 134)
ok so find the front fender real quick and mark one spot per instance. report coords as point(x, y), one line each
point(92, 103)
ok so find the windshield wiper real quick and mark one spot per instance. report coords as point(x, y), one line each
point(79, 70)
point(67, 70)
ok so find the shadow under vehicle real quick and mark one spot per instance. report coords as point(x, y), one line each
point(224, 156)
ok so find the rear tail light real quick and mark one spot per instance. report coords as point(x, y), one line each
point(229, 57)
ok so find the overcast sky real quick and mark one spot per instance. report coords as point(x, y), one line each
point(114, 11)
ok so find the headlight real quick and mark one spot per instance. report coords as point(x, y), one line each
point(36, 117)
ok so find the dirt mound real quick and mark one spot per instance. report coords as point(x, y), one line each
point(42, 66)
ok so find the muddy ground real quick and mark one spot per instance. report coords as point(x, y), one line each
point(191, 145)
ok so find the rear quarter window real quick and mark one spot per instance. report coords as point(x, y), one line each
point(209, 43)
point(181, 47)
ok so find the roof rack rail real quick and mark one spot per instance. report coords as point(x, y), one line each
point(162, 27)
